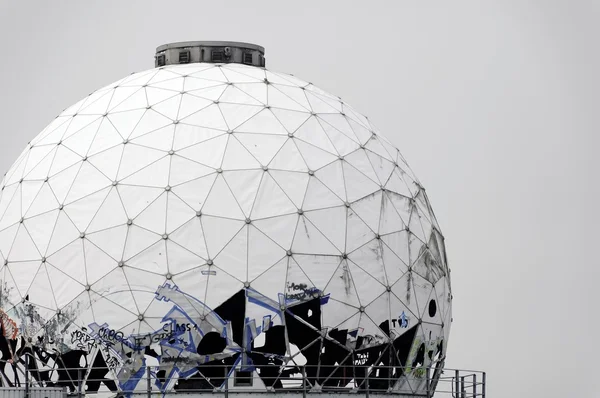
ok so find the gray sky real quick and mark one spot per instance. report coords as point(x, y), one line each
point(494, 105)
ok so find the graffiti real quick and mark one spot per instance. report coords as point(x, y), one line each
point(179, 327)
point(82, 339)
point(191, 344)
point(148, 339)
point(403, 321)
point(361, 359)
point(112, 361)
point(110, 334)
point(300, 291)
point(9, 327)
point(178, 341)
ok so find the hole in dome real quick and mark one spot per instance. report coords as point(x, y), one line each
point(432, 308)
point(211, 343)
point(420, 357)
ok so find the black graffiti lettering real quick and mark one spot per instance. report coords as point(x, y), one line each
point(82, 340)
point(112, 363)
point(303, 291)
point(111, 335)
point(179, 327)
point(301, 286)
point(139, 341)
point(158, 337)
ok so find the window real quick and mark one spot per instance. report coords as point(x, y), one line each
point(217, 56)
point(242, 379)
point(160, 60)
point(184, 57)
point(247, 58)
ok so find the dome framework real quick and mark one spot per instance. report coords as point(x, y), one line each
point(196, 216)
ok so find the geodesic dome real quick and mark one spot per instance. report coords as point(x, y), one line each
point(203, 214)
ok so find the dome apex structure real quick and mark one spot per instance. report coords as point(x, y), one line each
point(209, 52)
point(203, 216)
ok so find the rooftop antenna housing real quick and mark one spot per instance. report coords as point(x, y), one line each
point(225, 52)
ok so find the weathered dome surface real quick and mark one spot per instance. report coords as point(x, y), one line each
point(221, 203)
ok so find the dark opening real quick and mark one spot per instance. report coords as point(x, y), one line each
point(302, 335)
point(217, 56)
point(403, 344)
point(242, 379)
point(184, 57)
point(211, 343)
point(233, 310)
point(212, 374)
point(248, 58)
point(160, 60)
point(432, 308)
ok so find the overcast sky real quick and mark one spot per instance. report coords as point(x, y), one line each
point(494, 105)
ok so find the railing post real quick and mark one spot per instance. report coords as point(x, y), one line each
point(456, 383)
point(463, 392)
point(367, 382)
point(428, 381)
point(474, 385)
point(483, 385)
point(303, 381)
point(79, 383)
point(26, 376)
point(226, 381)
point(148, 382)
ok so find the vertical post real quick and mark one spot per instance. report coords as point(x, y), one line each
point(474, 385)
point(148, 382)
point(367, 382)
point(303, 381)
point(456, 382)
point(483, 385)
point(463, 392)
point(427, 381)
point(79, 383)
point(26, 376)
point(226, 381)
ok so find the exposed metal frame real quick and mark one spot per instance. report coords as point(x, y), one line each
point(399, 381)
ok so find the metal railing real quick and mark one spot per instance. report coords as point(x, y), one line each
point(145, 379)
